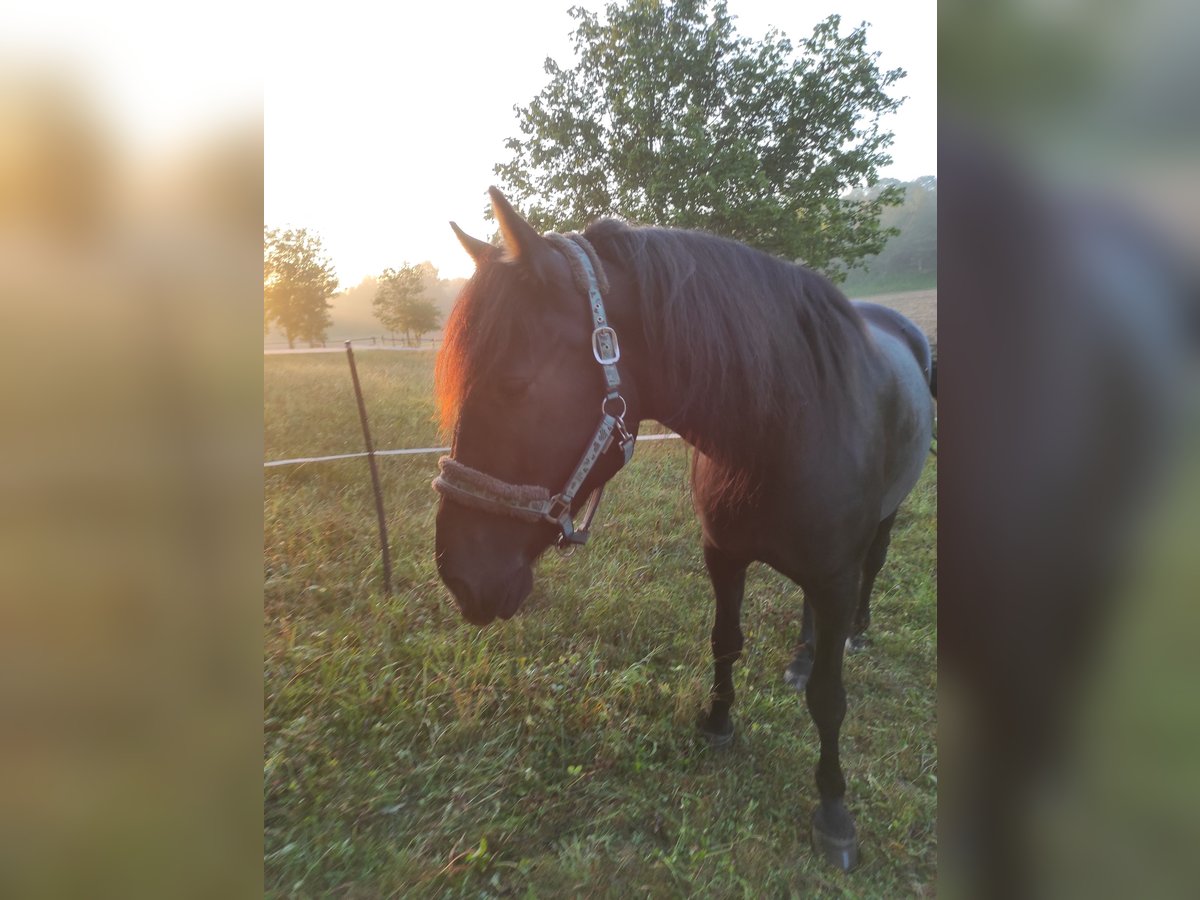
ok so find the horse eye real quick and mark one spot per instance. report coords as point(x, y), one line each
point(511, 387)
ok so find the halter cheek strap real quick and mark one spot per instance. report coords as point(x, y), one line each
point(533, 503)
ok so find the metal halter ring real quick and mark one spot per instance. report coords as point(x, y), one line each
point(620, 417)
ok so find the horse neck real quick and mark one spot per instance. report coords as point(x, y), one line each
point(733, 407)
point(644, 370)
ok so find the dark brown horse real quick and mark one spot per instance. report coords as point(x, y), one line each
point(811, 420)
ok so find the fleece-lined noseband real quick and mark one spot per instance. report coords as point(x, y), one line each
point(533, 503)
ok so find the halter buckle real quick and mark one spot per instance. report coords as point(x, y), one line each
point(558, 508)
point(601, 332)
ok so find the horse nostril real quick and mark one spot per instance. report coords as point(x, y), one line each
point(468, 604)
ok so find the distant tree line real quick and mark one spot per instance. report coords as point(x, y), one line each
point(299, 281)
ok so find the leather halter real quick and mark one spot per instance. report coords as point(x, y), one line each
point(534, 503)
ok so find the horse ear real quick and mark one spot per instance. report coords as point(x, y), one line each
point(524, 245)
point(481, 251)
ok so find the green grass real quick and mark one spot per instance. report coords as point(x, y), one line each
point(409, 754)
point(310, 408)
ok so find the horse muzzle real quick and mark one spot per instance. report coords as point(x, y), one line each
point(481, 603)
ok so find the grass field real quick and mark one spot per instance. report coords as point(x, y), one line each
point(409, 754)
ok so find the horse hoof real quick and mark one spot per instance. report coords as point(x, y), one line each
point(841, 852)
point(798, 679)
point(857, 643)
point(717, 740)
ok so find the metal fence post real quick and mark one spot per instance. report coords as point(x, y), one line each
point(362, 415)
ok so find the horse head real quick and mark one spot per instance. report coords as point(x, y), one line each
point(538, 424)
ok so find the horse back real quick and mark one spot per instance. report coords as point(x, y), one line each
point(908, 414)
point(889, 321)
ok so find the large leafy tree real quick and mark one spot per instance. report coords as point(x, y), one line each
point(298, 280)
point(400, 302)
point(670, 117)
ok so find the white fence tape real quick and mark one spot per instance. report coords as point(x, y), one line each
point(412, 452)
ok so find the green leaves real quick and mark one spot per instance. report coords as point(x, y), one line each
point(670, 117)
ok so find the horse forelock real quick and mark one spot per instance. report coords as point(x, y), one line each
point(481, 328)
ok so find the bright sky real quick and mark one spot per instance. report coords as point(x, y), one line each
point(383, 121)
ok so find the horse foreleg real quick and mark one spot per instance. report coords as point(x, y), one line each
point(833, 832)
point(729, 584)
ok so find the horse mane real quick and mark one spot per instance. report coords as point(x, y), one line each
point(747, 341)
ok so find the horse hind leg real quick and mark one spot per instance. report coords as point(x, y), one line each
point(833, 833)
point(871, 566)
point(799, 669)
point(728, 578)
